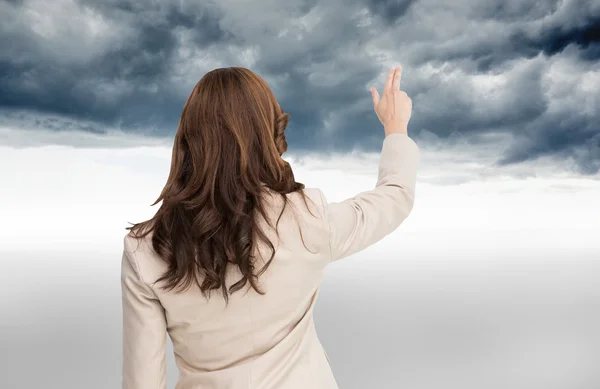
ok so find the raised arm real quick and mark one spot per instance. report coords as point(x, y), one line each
point(366, 218)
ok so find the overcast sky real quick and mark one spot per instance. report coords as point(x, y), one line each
point(518, 78)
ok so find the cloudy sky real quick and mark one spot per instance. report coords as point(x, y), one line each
point(519, 76)
point(506, 112)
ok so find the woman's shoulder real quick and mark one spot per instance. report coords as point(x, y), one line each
point(141, 252)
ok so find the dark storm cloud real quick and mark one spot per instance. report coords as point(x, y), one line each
point(389, 10)
point(319, 58)
point(523, 39)
point(554, 39)
point(512, 10)
point(556, 135)
point(142, 59)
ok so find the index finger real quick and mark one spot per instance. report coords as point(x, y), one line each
point(388, 82)
point(397, 79)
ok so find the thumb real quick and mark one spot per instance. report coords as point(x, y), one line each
point(375, 96)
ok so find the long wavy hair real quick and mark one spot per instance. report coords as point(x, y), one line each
point(226, 154)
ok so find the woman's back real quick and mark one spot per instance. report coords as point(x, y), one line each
point(256, 341)
point(253, 340)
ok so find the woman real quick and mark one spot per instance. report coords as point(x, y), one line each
point(233, 221)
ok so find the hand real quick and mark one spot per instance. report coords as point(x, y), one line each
point(394, 109)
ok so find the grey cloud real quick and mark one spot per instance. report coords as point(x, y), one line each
point(499, 32)
point(319, 57)
point(130, 65)
point(556, 135)
point(389, 10)
point(512, 10)
point(552, 40)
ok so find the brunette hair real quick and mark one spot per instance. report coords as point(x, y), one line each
point(226, 154)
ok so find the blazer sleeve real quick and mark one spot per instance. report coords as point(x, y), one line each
point(144, 330)
point(364, 219)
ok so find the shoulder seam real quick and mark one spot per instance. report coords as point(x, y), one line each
point(326, 221)
point(131, 258)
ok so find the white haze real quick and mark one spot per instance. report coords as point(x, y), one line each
point(492, 282)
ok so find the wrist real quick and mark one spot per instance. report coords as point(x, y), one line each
point(396, 130)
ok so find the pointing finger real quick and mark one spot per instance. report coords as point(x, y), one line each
point(388, 82)
point(397, 79)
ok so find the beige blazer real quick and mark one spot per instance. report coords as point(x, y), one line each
point(260, 341)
